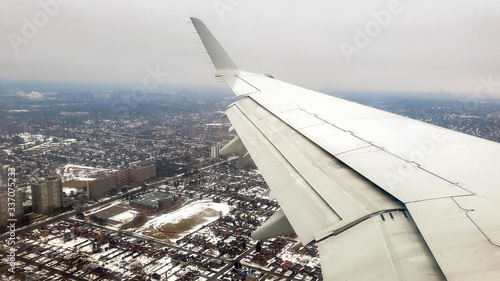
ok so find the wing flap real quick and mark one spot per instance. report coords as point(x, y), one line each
point(296, 197)
point(327, 184)
point(381, 249)
point(462, 251)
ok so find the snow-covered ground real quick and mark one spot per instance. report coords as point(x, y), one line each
point(79, 172)
point(300, 259)
point(104, 207)
point(202, 208)
point(188, 211)
point(68, 190)
point(125, 216)
point(70, 244)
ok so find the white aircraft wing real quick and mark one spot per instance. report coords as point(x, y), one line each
point(384, 197)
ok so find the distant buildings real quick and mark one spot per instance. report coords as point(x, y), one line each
point(143, 173)
point(47, 195)
point(101, 186)
point(493, 115)
point(102, 95)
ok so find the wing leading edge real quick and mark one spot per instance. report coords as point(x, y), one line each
point(353, 178)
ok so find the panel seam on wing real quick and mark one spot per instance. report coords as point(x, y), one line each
point(288, 161)
point(320, 236)
point(467, 214)
point(370, 144)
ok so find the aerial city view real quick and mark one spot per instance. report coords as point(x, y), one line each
point(122, 157)
point(135, 195)
point(143, 194)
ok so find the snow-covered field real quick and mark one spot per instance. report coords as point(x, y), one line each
point(186, 219)
point(125, 216)
point(79, 173)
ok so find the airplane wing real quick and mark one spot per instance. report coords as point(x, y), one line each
point(383, 196)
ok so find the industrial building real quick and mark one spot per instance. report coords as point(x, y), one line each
point(154, 202)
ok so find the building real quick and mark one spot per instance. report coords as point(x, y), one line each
point(123, 177)
point(493, 115)
point(47, 195)
point(214, 151)
point(143, 173)
point(136, 175)
point(153, 202)
point(101, 186)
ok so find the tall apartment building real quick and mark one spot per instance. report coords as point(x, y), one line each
point(143, 173)
point(17, 210)
point(214, 151)
point(47, 195)
point(101, 186)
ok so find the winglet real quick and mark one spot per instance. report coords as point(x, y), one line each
point(223, 63)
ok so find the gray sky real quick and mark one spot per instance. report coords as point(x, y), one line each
point(408, 45)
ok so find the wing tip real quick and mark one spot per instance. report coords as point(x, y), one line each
point(223, 63)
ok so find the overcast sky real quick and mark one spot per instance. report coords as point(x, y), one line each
point(384, 45)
